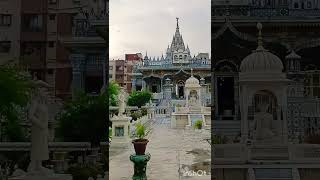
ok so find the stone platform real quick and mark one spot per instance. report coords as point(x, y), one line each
point(43, 177)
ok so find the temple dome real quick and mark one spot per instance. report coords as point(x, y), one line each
point(261, 60)
point(192, 82)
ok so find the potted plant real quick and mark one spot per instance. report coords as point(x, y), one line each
point(140, 143)
point(198, 124)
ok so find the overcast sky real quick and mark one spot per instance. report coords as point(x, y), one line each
point(148, 25)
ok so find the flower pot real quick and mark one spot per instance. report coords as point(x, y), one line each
point(140, 146)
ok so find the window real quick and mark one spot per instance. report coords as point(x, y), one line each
point(119, 131)
point(119, 68)
point(5, 46)
point(5, 19)
point(110, 76)
point(52, 17)
point(52, 1)
point(309, 5)
point(296, 5)
point(32, 23)
point(51, 44)
point(50, 71)
point(110, 67)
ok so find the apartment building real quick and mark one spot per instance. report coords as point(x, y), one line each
point(9, 30)
point(120, 72)
point(34, 32)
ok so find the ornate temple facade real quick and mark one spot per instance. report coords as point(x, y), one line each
point(174, 68)
point(88, 48)
point(266, 87)
point(289, 36)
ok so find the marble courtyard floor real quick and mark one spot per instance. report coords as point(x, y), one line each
point(172, 151)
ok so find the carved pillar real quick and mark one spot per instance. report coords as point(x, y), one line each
point(167, 90)
point(244, 114)
point(236, 98)
point(284, 114)
point(295, 174)
point(144, 86)
point(77, 61)
point(216, 108)
point(203, 92)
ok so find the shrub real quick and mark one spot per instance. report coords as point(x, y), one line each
point(136, 115)
point(144, 111)
point(83, 173)
point(113, 91)
point(84, 119)
point(139, 98)
point(198, 124)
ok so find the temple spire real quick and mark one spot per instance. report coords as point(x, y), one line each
point(177, 22)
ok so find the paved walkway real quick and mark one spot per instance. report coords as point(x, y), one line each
point(172, 151)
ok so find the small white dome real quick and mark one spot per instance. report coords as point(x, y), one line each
point(262, 61)
point(192, 82)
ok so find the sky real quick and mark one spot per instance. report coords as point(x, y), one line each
point(137, 26)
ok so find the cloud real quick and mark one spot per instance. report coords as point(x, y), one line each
point(140, 25)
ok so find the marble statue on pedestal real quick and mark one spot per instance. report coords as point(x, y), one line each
point(263, 130)
point(122, 101)
point(39, 133)
point(39, 116)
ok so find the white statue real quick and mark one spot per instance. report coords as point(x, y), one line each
point(193, 98)
point(263, 123)
point(122, 101)
point(39, 133)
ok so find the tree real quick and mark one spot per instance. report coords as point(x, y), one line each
point(84, 119)
point(113, 91)
point(139, 98)
point(15, 91)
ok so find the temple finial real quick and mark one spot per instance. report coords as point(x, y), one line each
point(260, 41)
point(177, 22)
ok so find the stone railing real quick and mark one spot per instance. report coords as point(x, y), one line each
point(181, 109)
point(53, 146)
point(229, 153)
point(162, 111)
point(206, 109)
point(305, 152)
point(240, 153)
point(175, 102)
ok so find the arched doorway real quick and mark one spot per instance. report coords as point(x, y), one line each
point(181, 89)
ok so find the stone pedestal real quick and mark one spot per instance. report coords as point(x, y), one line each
point(140, 166)
point(120, 130)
